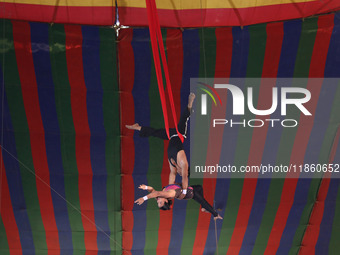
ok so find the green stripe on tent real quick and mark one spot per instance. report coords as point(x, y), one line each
point(306, 45)
point(257, 43)
point(109, 81)
point(22, 141)
point(257, 48)
point(4, 249)
point(67, 133)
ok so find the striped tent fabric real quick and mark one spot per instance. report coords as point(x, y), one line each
point(60, 170)
point(70, 170)
point(260, 216)
point(174, 13)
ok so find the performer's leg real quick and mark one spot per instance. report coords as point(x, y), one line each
point(149, 131)
point(198, 197)
point(198, 189)
point(183, 121)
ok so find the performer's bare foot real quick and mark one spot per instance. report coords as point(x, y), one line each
point(191, 100)
point(218, 217)
point(134, 127)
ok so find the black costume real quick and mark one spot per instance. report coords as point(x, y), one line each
point(194, 192)
point(175, 143)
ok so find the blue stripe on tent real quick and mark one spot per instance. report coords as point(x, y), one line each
point(240, 52)
point(14, 180)
point(290, 46)
point(140, 92)
point(42, 66)
point(191, 62)
point(289, 49)
point(191, 46)
point(333, 60)
point(230, 135)
point(94, 99)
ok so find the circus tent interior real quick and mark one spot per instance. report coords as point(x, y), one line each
point(74, 73)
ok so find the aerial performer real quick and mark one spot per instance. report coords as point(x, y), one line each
point(172, 191)
point(176, 156)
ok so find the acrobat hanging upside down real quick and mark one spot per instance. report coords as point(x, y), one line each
point(176, 155)
point(172, 191)
point(178, 165)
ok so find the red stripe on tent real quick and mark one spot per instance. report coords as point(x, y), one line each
point(322, 39)
point(127, 226)
point(224, 45)
point(318, 61)
point(174, 46)
point(270, 68)
point(202, 229)
point(22, 45)
point(297, 157)
point(7, 214)
point(126, 66)
point(272, 54)
point(79, 112)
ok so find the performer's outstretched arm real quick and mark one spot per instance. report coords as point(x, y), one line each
point(172, 175)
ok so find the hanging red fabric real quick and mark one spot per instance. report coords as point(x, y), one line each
point(155, 34)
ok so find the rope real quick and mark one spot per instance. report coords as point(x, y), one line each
point(216, 237)
point(56, 6)
point(114, 15)
point(158, 48)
